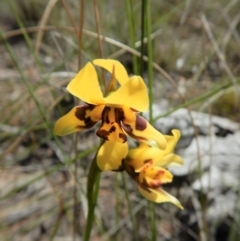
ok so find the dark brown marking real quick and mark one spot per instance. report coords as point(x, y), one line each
point(144, 185)
point(81, 112)
point(130, 170)
point(102, 134)
point(81, 115)
point(123, 136)
point(141, 123)
point(119, 114)
point(147, 161)
point(128, 129)
point(105, 114)
point(112, 129)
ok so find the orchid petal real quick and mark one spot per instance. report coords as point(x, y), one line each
point(144, 132)
point(120, 72)
point(159, 196)
point(129, 116)
point(96, 113)
point(86, 87)
point(169, 160)
point(133, 94)
point(138, 157)
point(111, 155)
point(172, 141)
point(155, 176)
point(75, 120)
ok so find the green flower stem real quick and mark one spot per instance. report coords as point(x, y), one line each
point(134, 225)
point(92, 194)
point(131, 15)
point(150, 60)
point(143, 16)
point(151, 206)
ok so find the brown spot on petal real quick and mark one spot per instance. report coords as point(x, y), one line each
point(144, 186)
point(159, 174)
point(154, 184)
point(128, 129)
point(134, 110)
point(81, 113)
point(130, 170)
point(147, 161)
point(105, 115)
point(112, 129)
point(123, 136)
point(103, 134)
point(141, 123)
point(119, 114)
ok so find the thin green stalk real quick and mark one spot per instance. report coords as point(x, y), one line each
point(143, 16)
point(131, 15)
point(152, 217)
point(150, 60)
point(118, 202)
point(134, 225)
point(92, 195)
point(151, 206)
point(197, 99)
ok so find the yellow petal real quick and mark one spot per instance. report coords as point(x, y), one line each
point(86, 87)
point(155, 176)
point(172, 141)
point(138, 157)
point(129, 116)
point(133, 94)
point(120, 72)
point(159, 196)
point(75, 120)
point(169, 160)
point(144, 132)
point(96, 113)
point(111, 155)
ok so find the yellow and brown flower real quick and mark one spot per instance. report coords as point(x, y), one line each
point(117, 111)
point(147, 166)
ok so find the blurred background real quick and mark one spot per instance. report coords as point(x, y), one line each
point(196, 69)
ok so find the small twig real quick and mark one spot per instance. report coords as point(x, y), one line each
point(199, 214)
point(43, 22)
point(123, 221)
point(217, 49)
point(100, 52)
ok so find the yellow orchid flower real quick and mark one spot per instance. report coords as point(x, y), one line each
point(147, 166)
point(117, 111)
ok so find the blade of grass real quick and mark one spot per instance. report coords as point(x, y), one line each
point(133, 220)
point(49, 171)
point(143, 26)
point(131, 23)
point(151, 206)
point(197, 99)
